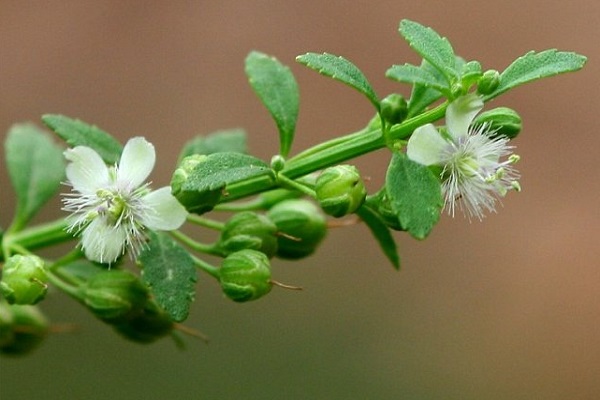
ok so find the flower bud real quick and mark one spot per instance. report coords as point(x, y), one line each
point(115, 295)
point(151, 324)
point(29, 327)
point(301, 227)
point(249, 230)
point(6, 324)
point(340, 190)
point(489, 82)
point(193, 200)
point(245, 275)
point(393, 108)
point(24, 280)
point(501, 122)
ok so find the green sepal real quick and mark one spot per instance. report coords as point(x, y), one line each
point(533, 66)
point(227, 140)
point(431, 46)
point(342, 70)
point(276, 87)
point(415, 195)
point(381, 233)
point(170, 272)
point(36, 167)
point(79, 133)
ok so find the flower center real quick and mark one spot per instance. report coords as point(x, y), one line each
point(112, 205)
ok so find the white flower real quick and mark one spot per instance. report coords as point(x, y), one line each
point(473, 175)
point(112, 206)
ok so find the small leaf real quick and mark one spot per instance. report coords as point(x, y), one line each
point(342, 70)
point(220, 169)
point(431, 46)
point(276, 87)
point(36, 167)
point(470, 73)
point(415, 195)
point(381, 233)
point(170, 272)
point(228, 140)
point(533, 66)
point(78, 133)
point(421, 95)
point(409, 73)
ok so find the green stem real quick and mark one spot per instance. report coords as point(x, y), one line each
point(336, 151)
point(191, 243)
point(290, 183)
point(37, 236)
point(206, 222)
point(208, 268)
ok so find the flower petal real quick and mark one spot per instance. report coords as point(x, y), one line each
point(163, 211)
point(136, 162)
point(460, 113)
point(102, 242)
point(426, 146)
point(86, 170)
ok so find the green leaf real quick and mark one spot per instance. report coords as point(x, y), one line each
point(533, 66)
point(415, 194)
point(170, 272)
point(431, 46)
point(276, 87)
point(422, 95)
point(221, 169)
point(36, 167)
point(381, 233)
point(342, 70)
point(78, 133)
point(228, 140)
point(409, 73)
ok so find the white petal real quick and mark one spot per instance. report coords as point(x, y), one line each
point(461, 112)
point(136, 162)
point(86, 170)
point(102, 242)
point(426, 146)
point(164, 212)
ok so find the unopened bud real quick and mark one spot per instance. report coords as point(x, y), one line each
point(249, 230)
point(24, 280)
point(340, 190)
point(28, 328)
point(182, 188)
point(245, 275)
point(394, 108)
point(500, 122)
point(114, 295)
point(147, 326)
point(489, 82)
point(301, 227)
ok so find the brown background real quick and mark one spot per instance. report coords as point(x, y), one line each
point(504, 309)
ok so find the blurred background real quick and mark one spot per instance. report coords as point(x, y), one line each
point(508, 308)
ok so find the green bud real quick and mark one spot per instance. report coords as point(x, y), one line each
point(147, 326)
point(393, 108)
point(501, 122)
point(277, 162)
point(249, 230)
point(24, 280)
point(115, 295)
point(301, 227)
point(489, 82)
point(340, 190)
point(6, 324)
point(193, 200)
point(29, 328)
point(245, 275)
